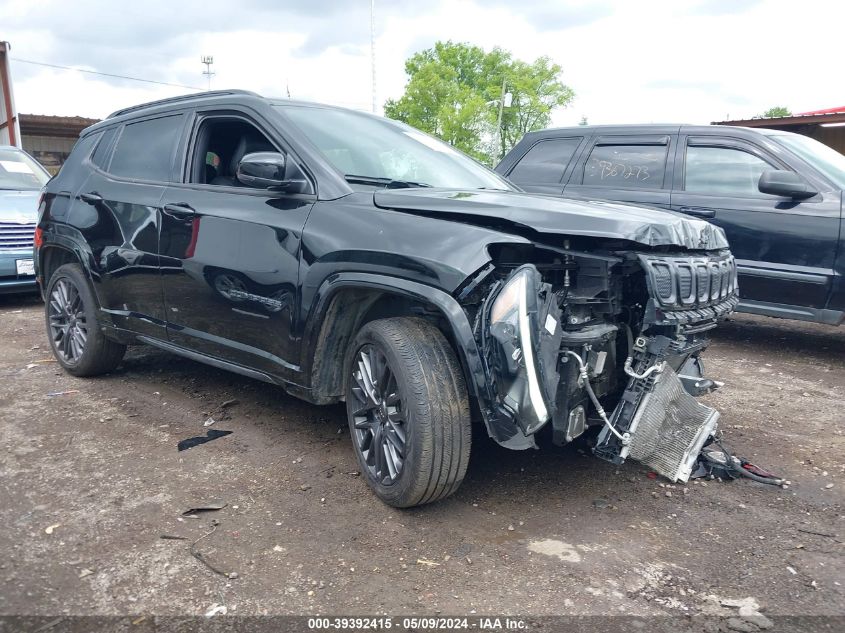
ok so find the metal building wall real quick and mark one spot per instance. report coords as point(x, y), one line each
point(50, 151)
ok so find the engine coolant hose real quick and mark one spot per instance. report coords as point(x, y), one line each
point(625, 438)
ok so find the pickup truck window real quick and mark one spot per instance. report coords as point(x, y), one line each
point(723, 171)
point(626, 166)
point(826, 159)
point(546, 161)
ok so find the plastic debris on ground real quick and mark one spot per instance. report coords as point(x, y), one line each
point(212, 434)
point(216, 609)
point(208, 507)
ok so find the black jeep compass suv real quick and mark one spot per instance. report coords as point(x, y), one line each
point(347, 257)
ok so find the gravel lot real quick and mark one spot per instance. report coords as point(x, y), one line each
point(92, 479)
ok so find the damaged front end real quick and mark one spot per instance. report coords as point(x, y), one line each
point(581, 338)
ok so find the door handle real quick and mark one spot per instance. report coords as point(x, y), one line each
point(701, 212)
point(179, 210)
point(91, 198)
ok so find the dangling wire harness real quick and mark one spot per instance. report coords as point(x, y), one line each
point(728, 466)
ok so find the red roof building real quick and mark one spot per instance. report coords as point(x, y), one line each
point(826, 126)
point(825, 111)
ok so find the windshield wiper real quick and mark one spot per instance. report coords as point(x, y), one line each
point(389, 183)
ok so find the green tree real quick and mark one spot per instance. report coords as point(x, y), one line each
point(454, 92)
point(776, 111)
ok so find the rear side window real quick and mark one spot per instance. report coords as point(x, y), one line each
point(145, 149)
point(546, 161)
point(626, 166)
point(723, 171)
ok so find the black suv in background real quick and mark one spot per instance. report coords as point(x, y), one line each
point(777, 195)
point(347, 257)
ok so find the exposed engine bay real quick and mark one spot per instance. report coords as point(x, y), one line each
point(583, 337)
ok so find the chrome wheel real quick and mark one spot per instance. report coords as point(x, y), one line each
point(379, 422)
point(68, 324)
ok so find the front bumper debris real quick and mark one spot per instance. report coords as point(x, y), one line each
point(561, 354)
point(670, 428)
point(666, 426)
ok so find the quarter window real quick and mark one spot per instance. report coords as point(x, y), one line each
point(722, 170)
point(546, 161)
point(145, 149)
point(81, 150)
point(101, 154)
point(626, 166)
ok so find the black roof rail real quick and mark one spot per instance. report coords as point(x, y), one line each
point(190, 97)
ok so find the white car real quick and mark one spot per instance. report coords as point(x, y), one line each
point(21, 179)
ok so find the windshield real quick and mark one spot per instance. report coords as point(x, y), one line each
point(370, 150)
point(20, 172)
point(826, 159)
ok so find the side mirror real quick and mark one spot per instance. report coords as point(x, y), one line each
point(787, 184)
point(262, 170)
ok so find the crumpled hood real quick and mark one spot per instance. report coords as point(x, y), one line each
point(549, 214)
point(20, 207)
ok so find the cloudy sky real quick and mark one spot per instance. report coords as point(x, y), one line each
point(628, 61)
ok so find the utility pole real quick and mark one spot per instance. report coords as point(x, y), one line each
point(208, 60)
point(504, 102)
point(499, 122)
point(373, 51)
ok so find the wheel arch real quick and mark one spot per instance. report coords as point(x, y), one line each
point(50, 258)
point(61, 250)
point(346, 302)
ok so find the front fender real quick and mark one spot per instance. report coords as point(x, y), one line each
point(478, 383)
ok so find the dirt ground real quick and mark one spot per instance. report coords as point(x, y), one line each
point(92, 479)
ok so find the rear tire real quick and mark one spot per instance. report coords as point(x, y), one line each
point(76, 339)
point(408, 411)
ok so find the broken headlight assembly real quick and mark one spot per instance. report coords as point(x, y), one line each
point(524, 325)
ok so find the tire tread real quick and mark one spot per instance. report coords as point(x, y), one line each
point(437, 389)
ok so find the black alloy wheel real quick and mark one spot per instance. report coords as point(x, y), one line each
point(408, 411)
point(77, 339)
point(378, 415)
point(67, 321)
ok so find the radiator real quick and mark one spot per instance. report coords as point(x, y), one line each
point(670, 428)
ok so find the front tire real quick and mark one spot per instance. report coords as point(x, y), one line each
point(408, 411)
point(75, 337)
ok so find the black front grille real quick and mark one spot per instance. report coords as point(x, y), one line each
point(14, 236)
point(663, 280)
point(684, 283)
